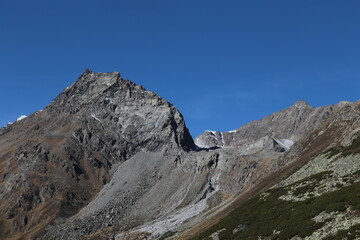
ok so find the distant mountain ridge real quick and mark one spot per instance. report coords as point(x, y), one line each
point(278, 130)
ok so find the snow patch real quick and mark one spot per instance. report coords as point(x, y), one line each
point(20, 118)
point(232, 131)
point(67, 88)
point(39, 111)
point(285, 143)
point(212, 132)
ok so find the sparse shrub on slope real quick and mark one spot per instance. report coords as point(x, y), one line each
point(354, 148)
point(349, 234)
point(268, 216)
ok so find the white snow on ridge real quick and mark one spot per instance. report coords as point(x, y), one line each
point(213, 132)
point(39, 111)
point(20, 118)
point(69, 86)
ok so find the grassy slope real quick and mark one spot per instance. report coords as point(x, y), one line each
point(268, 216)
point(354, 148)
point(263, 214)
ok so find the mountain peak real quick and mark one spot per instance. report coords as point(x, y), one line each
point(89, 85)
point(111, 100)
point(288, 124)
point(108, 78)
point(342, 103)
point(86, 71)
point(300, 103)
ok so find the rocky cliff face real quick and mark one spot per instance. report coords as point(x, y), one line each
point(277, 131)
point(138, 117)
point(54, 161)
point(109, 160)
point(313, 197)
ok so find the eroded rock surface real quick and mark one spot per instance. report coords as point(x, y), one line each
point(55, 161)
point(277, 131)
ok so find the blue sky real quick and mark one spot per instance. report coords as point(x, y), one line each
point(222, 63)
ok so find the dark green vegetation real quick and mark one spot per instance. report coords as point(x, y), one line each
point(312, 180)
point(315, 177)
point(1, 227)
point(166, 235)
point(350, 178)
point(354, 148)
point(269, 216)
point(349, 234)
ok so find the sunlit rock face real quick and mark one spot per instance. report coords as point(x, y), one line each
point(278, 131)
point(54, 161)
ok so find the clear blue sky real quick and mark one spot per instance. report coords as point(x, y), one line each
point(222, 63)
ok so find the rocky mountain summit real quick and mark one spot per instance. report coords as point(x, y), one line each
point(54, 161)
point(279, 130)
point(107, 159)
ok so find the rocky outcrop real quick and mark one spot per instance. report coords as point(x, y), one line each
point(314, 188)
point(138, 117)
point(277, 131)
point(55, 161)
